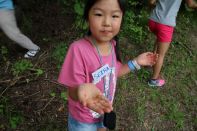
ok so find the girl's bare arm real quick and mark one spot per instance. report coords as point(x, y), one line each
point(144, 59)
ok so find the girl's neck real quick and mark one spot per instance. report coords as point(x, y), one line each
point(103, 47)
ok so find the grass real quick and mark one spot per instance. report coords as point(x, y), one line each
point(13, 116)
point(59, 53)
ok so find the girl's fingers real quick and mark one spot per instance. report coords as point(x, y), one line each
point(149, 53)
point(104, 104)
point(99, 104)
point(94, 106)
point(100, 107)
point(107, 107)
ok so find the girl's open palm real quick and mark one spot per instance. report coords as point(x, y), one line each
point(90, 96)
point(147, 59)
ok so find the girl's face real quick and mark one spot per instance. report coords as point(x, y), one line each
point(104, 20)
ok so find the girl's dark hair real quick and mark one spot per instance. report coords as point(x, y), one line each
point(90, 3)
point(88, 6)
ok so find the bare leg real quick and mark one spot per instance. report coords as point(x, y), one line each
point(155, 47)
point(161, 49)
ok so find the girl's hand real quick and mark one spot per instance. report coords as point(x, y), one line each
point(146, 59)
point(90, 96)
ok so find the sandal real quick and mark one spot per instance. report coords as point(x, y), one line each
point(31, 53)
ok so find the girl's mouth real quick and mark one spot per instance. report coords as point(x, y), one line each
point(106, 32)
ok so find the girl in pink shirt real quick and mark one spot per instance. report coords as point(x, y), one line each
point(92, 65)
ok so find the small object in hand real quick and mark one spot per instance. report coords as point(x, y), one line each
point(109, 120)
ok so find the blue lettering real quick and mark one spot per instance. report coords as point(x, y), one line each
point(96, 76)
point(101, 72)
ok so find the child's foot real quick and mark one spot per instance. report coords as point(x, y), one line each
point(156, 82)
point(31, 53)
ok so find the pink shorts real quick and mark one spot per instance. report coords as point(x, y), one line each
point(163, 32)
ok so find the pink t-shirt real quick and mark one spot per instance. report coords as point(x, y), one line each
point(81, 61)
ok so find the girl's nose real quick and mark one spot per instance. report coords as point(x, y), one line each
point(107, 21)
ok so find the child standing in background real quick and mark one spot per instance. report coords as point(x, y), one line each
point(92, 65)
point(9, 26)
point(162, 22)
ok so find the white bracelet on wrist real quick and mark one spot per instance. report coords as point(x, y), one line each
point(137, 66)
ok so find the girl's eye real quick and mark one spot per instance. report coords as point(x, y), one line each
point(98, 14)
point(115, 16)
